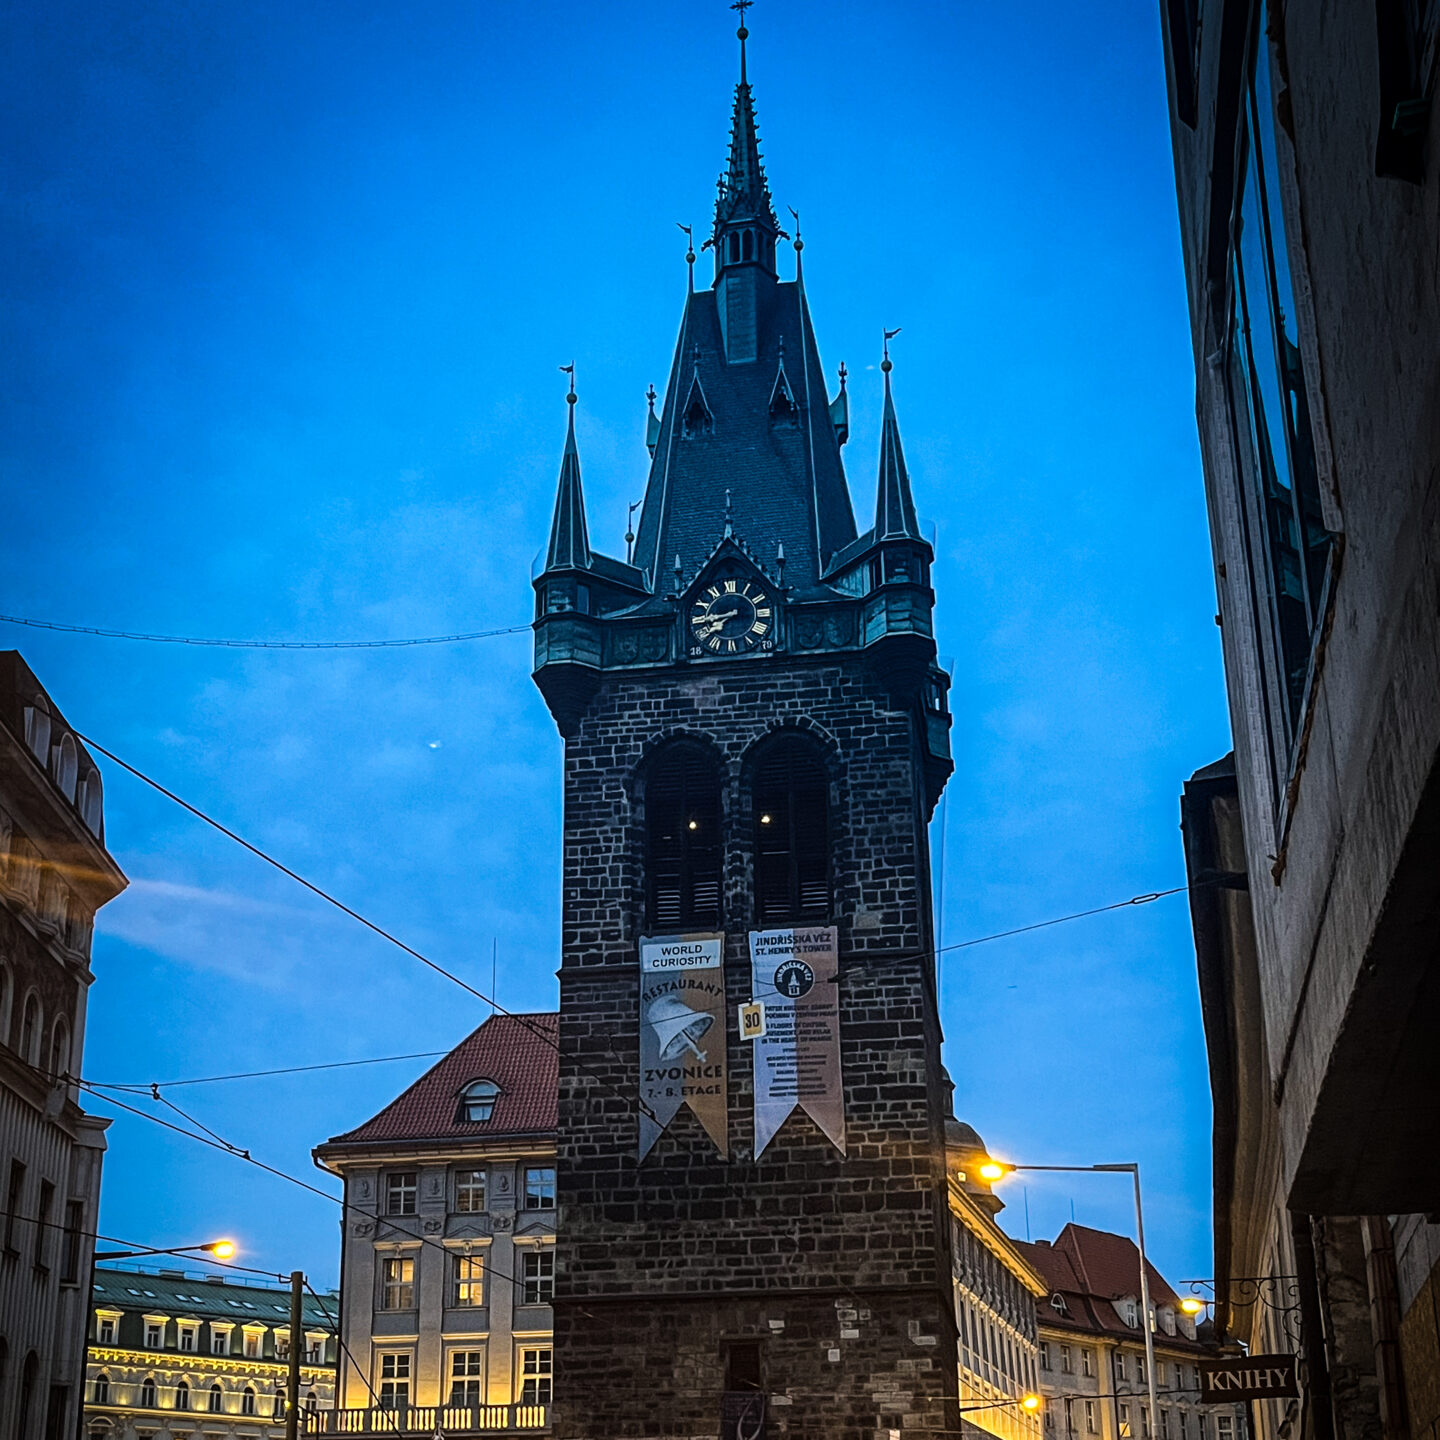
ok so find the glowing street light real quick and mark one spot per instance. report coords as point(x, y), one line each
point(1030, 1403)
point(218, 1249)
point(992, 1170)
point(1192, 1305)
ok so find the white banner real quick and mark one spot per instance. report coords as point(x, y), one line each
point(794, 976)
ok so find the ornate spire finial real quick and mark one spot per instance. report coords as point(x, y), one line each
point(570, 371)
point(728, 529)
point(844, 373)
point(742, 34)
point(885, 364)
point(651, 397)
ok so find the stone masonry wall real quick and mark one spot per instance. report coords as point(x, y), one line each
point(660, 1263)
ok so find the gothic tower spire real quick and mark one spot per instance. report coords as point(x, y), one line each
point(745, 225)
point(894, 502)
point(569, 539)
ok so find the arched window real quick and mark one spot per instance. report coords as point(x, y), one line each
point(102, 1389)
point(182, 1396)
point(792, 834)
point(734, 245)
point(247, 1401)
point(683, 852)
point(60, 1049)
point(277, 1404)
point(477, 1101)
point(29, 1374)
point(312, 1402)
point(30, 1030)
point(67, 767)
point(749, 244)
point(90, 802)
point(215, 1400)
point(147, 1393)
point(37, 732)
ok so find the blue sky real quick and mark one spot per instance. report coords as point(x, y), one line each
point(286, 292)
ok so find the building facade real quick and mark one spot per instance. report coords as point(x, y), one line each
point(755, 736)
point(187, 1357)
point(1305, 150)
point(996, 1289)
point(448, 1257)
point(1092, 1348)
point(55, 873)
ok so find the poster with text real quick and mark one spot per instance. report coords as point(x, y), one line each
point(682, 1034)
point(794, 974)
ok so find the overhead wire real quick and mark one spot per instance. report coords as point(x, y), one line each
point(148, 1086)
point(404, 643)
point(226, 1147)
point(354, 914)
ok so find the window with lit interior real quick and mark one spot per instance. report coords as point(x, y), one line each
point(683, 852)
point(792, 834)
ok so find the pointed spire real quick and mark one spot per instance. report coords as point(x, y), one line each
point(744, 192)
point(569, 539)
point(894, 504)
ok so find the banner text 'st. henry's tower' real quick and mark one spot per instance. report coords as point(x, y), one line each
point(753, 1229)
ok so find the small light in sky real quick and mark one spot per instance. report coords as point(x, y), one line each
point(434, 744)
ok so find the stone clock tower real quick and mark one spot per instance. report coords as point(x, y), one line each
point(755, 737)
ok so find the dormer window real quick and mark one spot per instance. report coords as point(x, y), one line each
point(696, 418)
point(477, 1101)
point(1058, 1305)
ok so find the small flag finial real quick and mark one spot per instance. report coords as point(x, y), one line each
point(570, 371)
point(885, 364)
point(689, 250)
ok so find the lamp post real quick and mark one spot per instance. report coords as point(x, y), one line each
point(991, 1170)
point(218, 1249)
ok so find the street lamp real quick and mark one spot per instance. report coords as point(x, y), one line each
point(1028, 1402)
point(218, 1249)
point(992, 1170)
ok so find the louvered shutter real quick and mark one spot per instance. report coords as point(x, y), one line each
point(682, 807)
point(792, 849)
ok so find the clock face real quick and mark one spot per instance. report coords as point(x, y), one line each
point(731, 617)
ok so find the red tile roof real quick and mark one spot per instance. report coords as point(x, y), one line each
point(1089, 1269)
point(517, 1052)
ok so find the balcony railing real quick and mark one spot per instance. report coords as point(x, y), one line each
point(452, 1421)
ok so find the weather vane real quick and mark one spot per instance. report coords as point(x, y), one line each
point(889, 336)
point(742, 34)
point(570, 371)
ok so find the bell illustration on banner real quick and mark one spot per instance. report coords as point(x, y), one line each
point(677, 1027)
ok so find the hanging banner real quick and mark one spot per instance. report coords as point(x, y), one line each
point(682, 1035)
point(794, 981)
